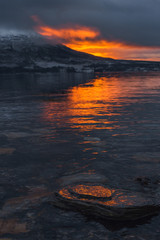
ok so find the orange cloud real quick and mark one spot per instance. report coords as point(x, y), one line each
point(89, 40)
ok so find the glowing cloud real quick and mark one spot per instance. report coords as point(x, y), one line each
point(90, 40)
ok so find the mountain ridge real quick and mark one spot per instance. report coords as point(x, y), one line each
point(33, 53)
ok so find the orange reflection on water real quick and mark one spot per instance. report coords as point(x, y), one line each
point(87, 107)
point(91, 106)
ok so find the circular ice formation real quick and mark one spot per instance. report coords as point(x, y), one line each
point(103, 202)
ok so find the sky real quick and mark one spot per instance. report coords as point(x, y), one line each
point(124, 29)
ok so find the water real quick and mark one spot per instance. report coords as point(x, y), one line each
point(54, 126)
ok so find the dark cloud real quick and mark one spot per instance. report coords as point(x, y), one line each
point(136, 22)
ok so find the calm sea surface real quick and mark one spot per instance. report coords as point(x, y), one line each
point(57, 126)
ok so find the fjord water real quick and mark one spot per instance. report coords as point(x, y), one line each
point(56, 126)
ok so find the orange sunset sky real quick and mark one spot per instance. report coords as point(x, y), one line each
point(90, 40)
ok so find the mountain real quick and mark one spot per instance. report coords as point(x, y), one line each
point(32, 53)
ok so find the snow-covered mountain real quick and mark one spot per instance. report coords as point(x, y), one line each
point(32, 53)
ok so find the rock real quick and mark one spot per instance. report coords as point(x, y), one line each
point(5, 239)
point(148, 182)
point(148, 157)
point(143, 181)
point(16, 135)
point(35, 197)
point(102, 202)
point(3, 140)
point(12, 226)
point(8, 151)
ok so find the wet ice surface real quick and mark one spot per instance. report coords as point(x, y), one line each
point(58, 127)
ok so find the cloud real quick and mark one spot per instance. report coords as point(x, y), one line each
point(136, 22)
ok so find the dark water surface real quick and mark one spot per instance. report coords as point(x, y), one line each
point(56, 126)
